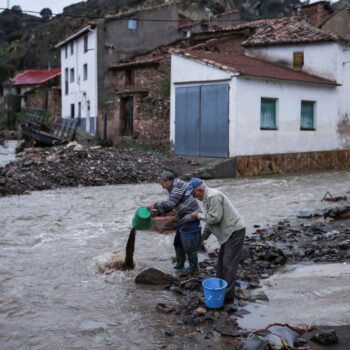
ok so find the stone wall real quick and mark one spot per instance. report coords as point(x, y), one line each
point(54, 106)
point(151, 121)
point(151, 104)
point(36, 98)
point(292, 162)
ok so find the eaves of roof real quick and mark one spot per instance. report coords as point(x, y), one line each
point(76, 35)
point(243, 65)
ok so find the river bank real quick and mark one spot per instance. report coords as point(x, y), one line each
point(37, 169)
point(296, 322)
point(53, 295)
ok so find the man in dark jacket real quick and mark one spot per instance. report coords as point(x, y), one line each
point(184, 205)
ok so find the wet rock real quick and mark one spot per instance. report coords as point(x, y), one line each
point(177, 290)
point(169, 332)
point(344, 245)
point(200, 311)
point(230, 308)
point(299, 342)
point(77, 165)
point(155, 277)
point(164, 309)
point(227, 330)
point(255, 343)
point(192, 284)
point(328, 337)
point(261, 296)
point(242, 312)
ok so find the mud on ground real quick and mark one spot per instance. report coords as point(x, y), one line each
point(77, 165)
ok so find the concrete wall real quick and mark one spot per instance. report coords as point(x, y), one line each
point(323, 59)
point(329, 60)
point(248, 139)
point(117, 42)
point(83, 91)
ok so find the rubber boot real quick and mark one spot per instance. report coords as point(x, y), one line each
point(193, 260)
point(180, 258)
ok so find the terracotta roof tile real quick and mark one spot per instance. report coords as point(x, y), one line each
point(139, 62)
point(281, 31)
point(35, 76)
point(249, 66)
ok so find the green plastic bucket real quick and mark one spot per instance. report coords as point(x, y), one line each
point(142, 219)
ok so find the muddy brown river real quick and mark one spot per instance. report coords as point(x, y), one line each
point(51, 295)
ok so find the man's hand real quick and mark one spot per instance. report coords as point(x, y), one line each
point(194, 216)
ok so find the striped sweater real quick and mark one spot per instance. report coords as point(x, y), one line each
point(184, 205)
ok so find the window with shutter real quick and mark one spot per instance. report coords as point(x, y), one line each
point(307, 115)
point(268, 114)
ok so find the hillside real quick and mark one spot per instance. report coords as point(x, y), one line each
point(28, 41)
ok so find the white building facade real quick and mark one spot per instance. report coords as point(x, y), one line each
point(306, 114)
point(79, 78)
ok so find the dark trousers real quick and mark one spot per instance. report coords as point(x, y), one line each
point(228, 261)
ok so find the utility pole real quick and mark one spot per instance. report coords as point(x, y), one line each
point(8, 4)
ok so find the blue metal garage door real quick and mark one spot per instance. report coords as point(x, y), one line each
point(201, 120)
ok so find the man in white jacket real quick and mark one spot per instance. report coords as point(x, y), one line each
point(223, 221)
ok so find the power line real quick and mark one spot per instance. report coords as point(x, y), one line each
point(122, 18)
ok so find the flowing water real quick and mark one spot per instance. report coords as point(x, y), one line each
point(51, 295)
point(7, 152)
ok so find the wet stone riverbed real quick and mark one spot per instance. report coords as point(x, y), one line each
point(53, 296)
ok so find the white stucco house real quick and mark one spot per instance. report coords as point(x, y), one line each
point(288, 93)
point(79, 77)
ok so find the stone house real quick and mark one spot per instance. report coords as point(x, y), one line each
point(338, 23)
point(142, 86)
point(315, 13)
point(280, 106)
point(35, 88)
point(86, 57)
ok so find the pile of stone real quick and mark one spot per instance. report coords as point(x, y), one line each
point(76, 165)
point(264, 252)
point(321, 241)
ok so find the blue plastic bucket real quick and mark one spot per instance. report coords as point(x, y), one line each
point(214, 292)
point(190, 236)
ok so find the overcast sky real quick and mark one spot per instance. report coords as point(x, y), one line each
point(56, 6)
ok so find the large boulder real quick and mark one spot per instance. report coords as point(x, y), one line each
point(155, 277)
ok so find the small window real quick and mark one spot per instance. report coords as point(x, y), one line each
point(298, 60)
point(132, 24)
point(307, 115)
point(71, 48)
point(86, 43)
point(79, 109)
point(268, 114)
point(72, 75)
point(85, 71)
point(129, 77)
point(88, 108)
point(66, 51)
point(72, 111)
point(66, 81)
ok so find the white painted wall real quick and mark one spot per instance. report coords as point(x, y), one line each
point(329, 60)
point(248, 139)
point(323, 59)
point(83, 91)
point(245, 136)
